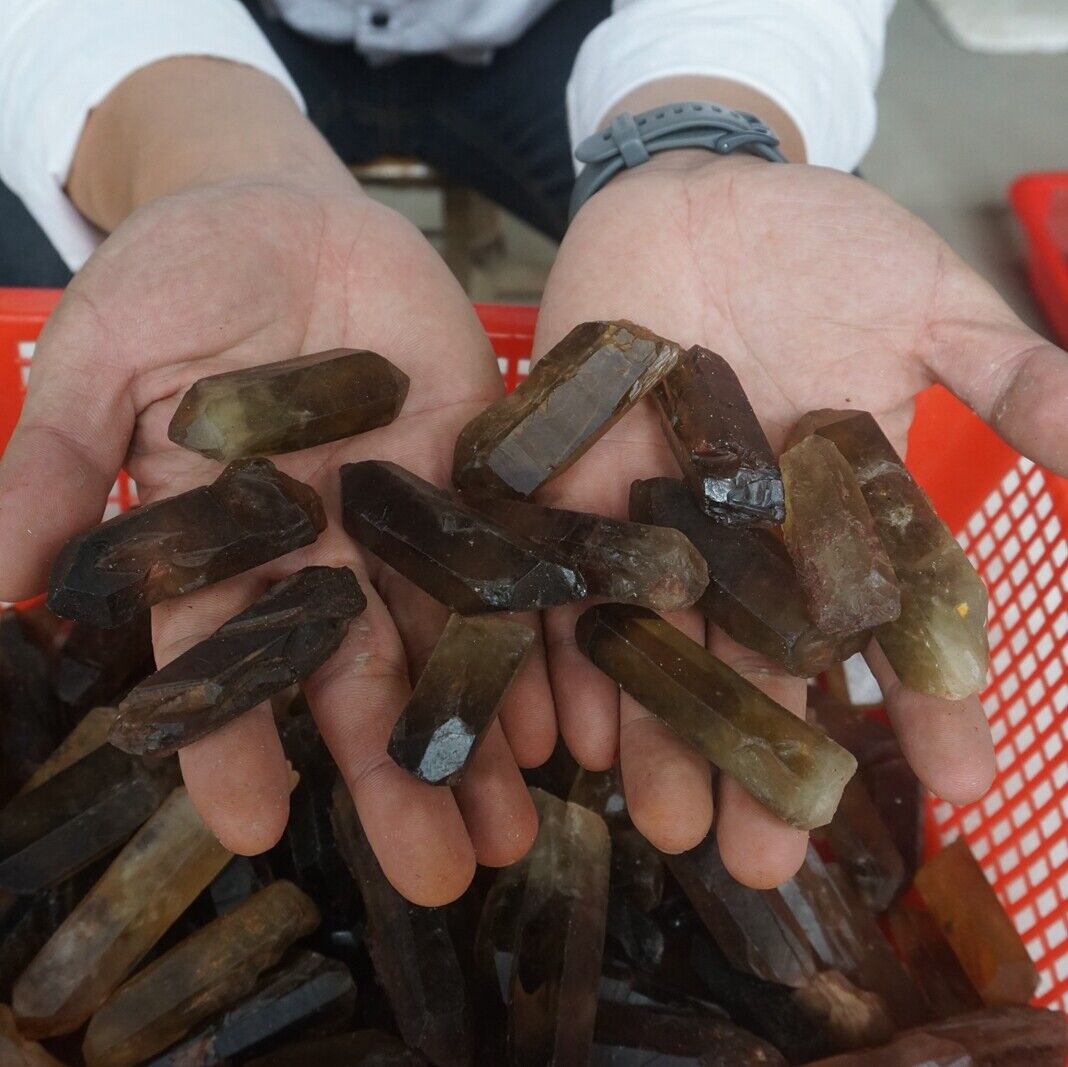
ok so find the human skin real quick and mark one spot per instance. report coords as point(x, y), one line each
point(237, 238)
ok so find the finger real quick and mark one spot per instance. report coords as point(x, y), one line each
point(528, 713)
point(62, 460)
point(496, 805)
point(236, 776)
point(415, 829)
point(947, 742)
point(667, 783)
point(758, 849)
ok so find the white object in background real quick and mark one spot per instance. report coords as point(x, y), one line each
point(1006, 25)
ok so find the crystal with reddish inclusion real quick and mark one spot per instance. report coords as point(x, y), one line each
point(289, 405)
point(89, 734)
point(559, 937)
point(294, 628)
point(573, 395)
point(309, 992)
point(147, 886)
point(967, 910)
point(19, 1051)
point(211, 969)
point(862, 845)
point(367, 1048)
point(718, 442)
point(753, 590)
point(794, 770)
point(250, 514)
point(938, 644)
point(751, 927)
point(843, 568)
point(457, 696)
point(415, 958)
point(457, 555)
point(629, 562)
point(94, 666)
point(931, 962)
point(77, 816)
point(627, 1036)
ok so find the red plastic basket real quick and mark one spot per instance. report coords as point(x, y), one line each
point(1009, 516)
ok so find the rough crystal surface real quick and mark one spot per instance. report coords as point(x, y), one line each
point(146, 887)
point(250, 514)
point(717, 440)
point(1008, 1036)
point(938, 644)
point(77, 816)
point(460, 557)
point(93, 666)
point(457, 696)
point(908, 1050)
point(843, 568)
point(368, 1048)
point(308, 991)
point(753, 590)
point(791, 768)
point(413, 952)
point(573, 395)
point(211, 969)
point(285, 635)
point(976, 926)
point(629, 562)
point(289, 405)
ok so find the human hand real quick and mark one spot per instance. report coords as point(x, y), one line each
point(229, 275)
point(821, 292)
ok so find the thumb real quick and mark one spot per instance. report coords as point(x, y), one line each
point(65, 453)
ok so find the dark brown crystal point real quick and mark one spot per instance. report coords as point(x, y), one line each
point(462, 558)
point(794, 770)
point(573, 395)
point(77, 816)
point(715, 435)
point(95, 666)
point(289, 405)
point(753, 590)
point(250, 514)
point(365, 1048)
point(294, 628)
point(841, 563)
point(938, 644)
point(1015, 1036)
point(624, 561)
point(413, 952)
point(457, 696)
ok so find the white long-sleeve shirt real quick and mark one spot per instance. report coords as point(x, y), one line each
point(818, 59)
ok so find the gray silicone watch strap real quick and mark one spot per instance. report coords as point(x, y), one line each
point(630, 140)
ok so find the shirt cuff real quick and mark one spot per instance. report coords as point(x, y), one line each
point(819, 62)
point(58, 60)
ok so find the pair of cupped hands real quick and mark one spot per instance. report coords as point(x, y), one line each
point(818, 289)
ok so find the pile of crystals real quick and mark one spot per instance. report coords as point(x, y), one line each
point(130, 935)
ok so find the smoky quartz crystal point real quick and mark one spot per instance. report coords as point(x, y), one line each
point(841, 563)
point(573, 395)
point(458, 556)
point(287, 634)
point(717, 440)
point(250, 514)
point(794, 770)
point(630, 562)
point(77, 816)
point(753, 591)
point(457, 696)
point(938, 643)
point(289, 405)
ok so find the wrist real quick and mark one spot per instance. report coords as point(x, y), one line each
point(194, 121)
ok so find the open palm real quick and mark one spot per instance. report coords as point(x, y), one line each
point(230, 276)
point(820, 292)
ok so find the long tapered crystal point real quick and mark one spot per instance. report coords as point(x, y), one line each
point(289, 405)
point(938, 643)
point(794, 770)
point(293, 629)
point(250, 514)
point(572, 396)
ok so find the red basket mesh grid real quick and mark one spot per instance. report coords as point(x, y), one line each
point(1009, 515)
